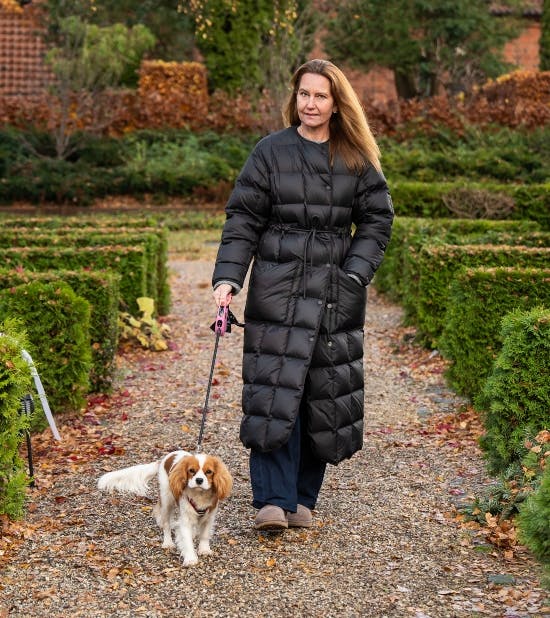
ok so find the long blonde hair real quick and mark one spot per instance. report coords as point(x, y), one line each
point(350, 135)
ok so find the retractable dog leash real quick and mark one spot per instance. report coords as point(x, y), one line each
point(221, 326)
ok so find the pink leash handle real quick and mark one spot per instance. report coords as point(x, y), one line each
point(220, 325)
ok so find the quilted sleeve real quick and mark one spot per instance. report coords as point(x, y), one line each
point(373, 216)
point(247, 213)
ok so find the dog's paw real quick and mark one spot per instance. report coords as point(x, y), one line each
point(190, 561)
point(205, 551)
point(168, 544)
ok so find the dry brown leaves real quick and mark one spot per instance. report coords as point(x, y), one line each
point(83, 440)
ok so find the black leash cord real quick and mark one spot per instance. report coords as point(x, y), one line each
point(205, 408)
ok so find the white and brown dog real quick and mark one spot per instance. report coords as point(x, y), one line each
point(190, 488)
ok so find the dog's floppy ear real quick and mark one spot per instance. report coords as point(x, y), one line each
point(179, 475)
point(222, 480)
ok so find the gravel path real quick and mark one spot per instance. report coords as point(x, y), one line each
point(386, 539)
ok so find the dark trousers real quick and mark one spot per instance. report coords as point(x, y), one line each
point(287, 476)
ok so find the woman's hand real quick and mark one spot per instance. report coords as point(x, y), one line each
point(223, 295)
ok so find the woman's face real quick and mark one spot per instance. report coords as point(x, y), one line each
point(315, 103)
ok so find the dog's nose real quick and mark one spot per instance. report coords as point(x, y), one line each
point(199, 481)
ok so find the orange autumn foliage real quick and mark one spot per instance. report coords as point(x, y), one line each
point(175, 95)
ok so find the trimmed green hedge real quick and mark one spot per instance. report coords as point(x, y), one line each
point(155, 243)
point(102, 291)
point(130, 262)
point(98, 221)
point(15, 383)
point(396, 275)
point(176, 219)
point(478, 299)
point(439, 265)
point(57, 322)
point(420, 199)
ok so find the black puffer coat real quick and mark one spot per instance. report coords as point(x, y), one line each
point(293, 213)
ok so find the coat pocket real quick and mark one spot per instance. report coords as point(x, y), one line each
point(351, 301)
point(269, 291)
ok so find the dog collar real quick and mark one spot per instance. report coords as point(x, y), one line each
point(200, 512)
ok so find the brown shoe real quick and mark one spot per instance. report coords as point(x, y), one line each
point(301, 519)
point(271, 517)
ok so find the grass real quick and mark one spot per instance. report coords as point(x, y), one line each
point(194, 244)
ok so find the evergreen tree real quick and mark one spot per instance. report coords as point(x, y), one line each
point(172, 28)
point(431, 45)
point(239, 39)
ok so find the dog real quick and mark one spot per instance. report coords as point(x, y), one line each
point(190, 488)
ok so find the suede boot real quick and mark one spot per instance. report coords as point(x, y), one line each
point(271, 517)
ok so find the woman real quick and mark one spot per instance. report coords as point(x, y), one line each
point(292, 211)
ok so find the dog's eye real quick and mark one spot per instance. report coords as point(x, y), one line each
point(209, 472)
point(192, 471)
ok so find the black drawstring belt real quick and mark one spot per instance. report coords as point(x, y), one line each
point(309, 240)
point(310, 237)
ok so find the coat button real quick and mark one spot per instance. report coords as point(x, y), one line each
point(319, 302)
point(329, 344)
point(329, 305)
point(311, 338)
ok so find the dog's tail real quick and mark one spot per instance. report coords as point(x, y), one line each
point(132, 480)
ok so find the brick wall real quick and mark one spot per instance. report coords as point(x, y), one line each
point(22, 71)
point(524, 51)
point(377, 85)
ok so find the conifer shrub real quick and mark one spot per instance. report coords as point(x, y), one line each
point(515, 402)
point(57, 322)
point(470, 155)
point(516, 397)
point(15, 383)
point(534, 523)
